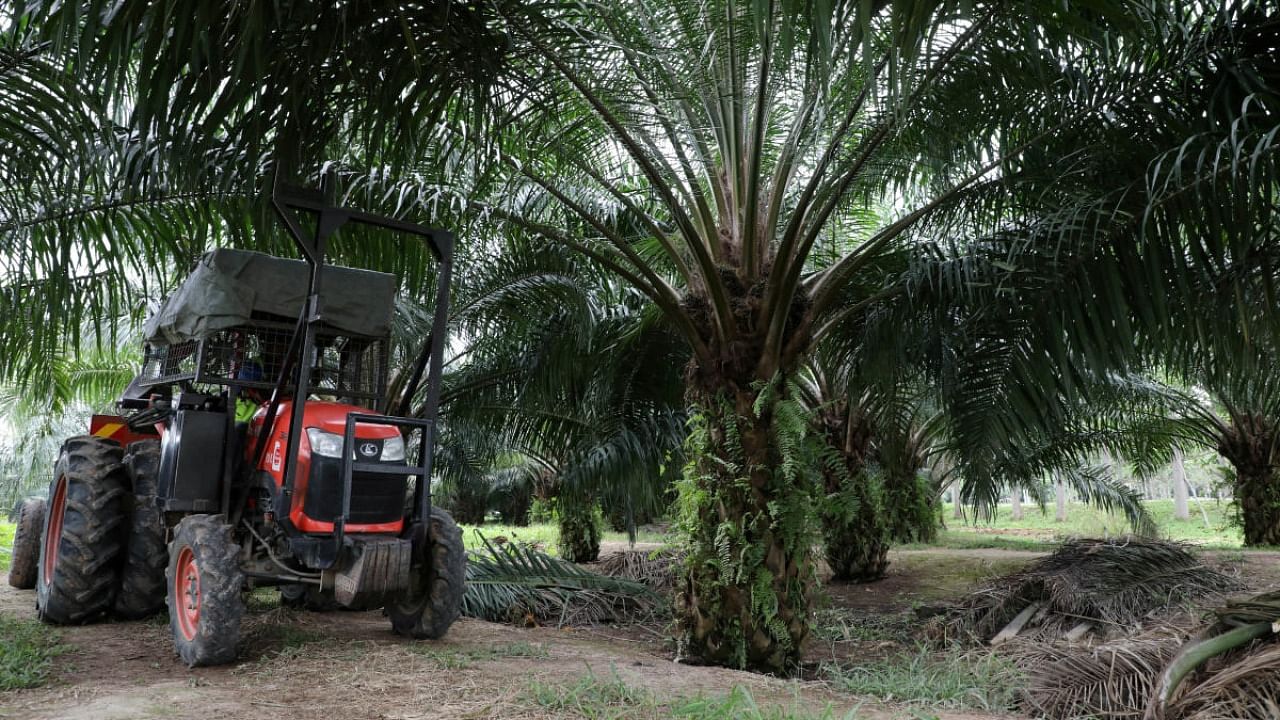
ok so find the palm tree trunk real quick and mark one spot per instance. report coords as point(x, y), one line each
point(913, 515)
point(1060, 492)
point(1180, 509)
point(1248, 444)
point(579, 530)
point(854, 532)
point(1258, 495)
point(745, 505)
point(1015, 504)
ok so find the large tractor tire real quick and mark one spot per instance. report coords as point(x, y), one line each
point(84, 532)
point(26, 543)
point(142, 582)
point(204, 584)
point(434, 598)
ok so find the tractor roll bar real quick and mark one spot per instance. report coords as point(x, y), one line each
point(287, 202)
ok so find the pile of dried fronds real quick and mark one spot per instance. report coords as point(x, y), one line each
point(654, 568)
point(519, 584)
point(1103, 587)
point(1228, 671)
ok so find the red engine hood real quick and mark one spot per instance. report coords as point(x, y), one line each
point(331, 417)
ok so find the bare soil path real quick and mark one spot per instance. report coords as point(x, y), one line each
point(349, 665)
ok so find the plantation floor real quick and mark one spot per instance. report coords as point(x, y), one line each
point(349, 665)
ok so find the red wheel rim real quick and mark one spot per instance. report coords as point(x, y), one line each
point(186, 590)
point(53, 530)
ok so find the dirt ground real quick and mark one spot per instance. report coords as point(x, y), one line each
point(349, 665)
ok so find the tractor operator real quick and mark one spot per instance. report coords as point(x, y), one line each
point(250, 398)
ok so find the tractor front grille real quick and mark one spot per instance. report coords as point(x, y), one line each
point(375, 498)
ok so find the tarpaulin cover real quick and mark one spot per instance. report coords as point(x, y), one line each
point(228, 286)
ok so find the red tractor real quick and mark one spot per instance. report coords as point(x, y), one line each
point(259, 447)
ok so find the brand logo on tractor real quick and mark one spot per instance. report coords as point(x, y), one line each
point(369, 449)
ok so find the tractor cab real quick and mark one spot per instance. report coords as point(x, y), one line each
point(259, 446)
point(220, 345)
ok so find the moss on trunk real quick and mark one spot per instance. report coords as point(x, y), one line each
point(745, 507)
point(854, 533)
point(579, 523)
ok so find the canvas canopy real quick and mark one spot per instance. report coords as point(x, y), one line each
point(228, 286)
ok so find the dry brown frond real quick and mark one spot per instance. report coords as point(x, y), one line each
point(1114, 584)
point(1110, 681)
point(1248, 689)
point(655, 568)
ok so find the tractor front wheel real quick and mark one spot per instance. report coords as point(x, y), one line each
point(437, 583)
point(26, 544)
point(83, 532)
point(204, 583)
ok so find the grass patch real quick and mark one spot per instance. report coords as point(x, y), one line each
point(974, 540)
point(596, 698)
point(452, 659)
point(949, 679)
point(287, 636)
point(837, 624)
point(27, 650)
point(943, 577)
point(6, 541)
point(545, 535)
point(1086, 521)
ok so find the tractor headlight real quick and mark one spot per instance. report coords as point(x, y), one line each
point(393, 449)
point(325, 443)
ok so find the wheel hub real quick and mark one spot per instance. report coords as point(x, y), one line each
point(186, 586)
point(53, 533)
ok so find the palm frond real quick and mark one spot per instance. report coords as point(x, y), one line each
point(516, 583)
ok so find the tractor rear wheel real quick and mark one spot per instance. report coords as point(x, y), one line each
point(437, 582)
point(26, 544)
point(204, 583)
point(83, 532)
point(142, 584)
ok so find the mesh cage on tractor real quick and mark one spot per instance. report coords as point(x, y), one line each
point(258, 447)
point(345, 366)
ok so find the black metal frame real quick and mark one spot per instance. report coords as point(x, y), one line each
point(288, 202)
point(421, 471)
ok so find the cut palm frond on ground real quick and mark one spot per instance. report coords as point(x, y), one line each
point(517, 583)
point(1106, 587)
point(1247, 690)
point(1233, 674)
point(655, 569)
point(1112, 680)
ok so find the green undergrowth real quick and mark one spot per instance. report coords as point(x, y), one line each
point(837, 624)
point(460, 659)
point(6, 542)
point(598, 698)
point(939, 680)
point(27, 652)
